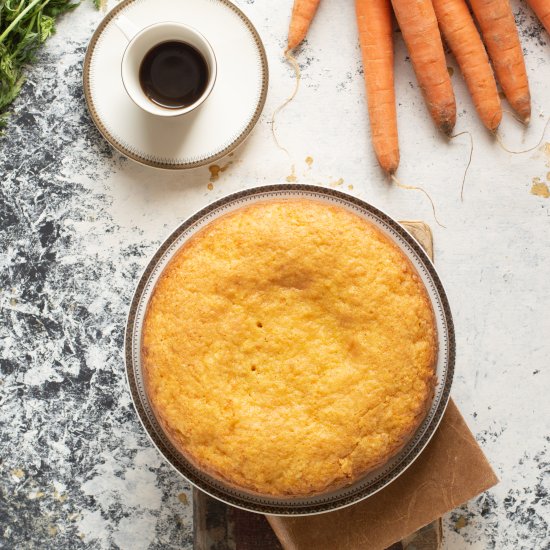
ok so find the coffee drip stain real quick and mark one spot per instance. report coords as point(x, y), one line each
point(216, 170)
point(546, 150)
point(292, 177)
point(540, 189)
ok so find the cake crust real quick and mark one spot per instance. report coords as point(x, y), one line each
point(289, 348)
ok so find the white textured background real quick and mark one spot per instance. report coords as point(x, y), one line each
point(79, 222)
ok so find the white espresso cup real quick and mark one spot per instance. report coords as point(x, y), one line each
point(140, 42)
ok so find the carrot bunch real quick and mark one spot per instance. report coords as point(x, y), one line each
point(493, 50)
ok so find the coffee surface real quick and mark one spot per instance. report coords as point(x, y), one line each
point(173, 74)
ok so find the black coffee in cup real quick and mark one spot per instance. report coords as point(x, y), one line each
point(173, 74)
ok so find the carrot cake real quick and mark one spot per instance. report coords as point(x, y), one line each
point(289, 347)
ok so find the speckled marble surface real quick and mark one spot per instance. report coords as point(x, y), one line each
point(78, 222)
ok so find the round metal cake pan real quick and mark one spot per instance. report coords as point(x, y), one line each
point(373, 481)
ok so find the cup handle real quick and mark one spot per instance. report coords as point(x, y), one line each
point(128, 29)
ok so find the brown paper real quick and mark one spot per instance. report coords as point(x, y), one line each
point(451, 470)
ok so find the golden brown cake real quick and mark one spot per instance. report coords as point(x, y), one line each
point(289, 347)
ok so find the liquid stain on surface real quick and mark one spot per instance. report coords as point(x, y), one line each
point(309, 161)
point(540, 189)
point(292, 177)
point(216, 170)
point(210, 186)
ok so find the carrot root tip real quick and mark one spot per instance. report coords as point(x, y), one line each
point(447, 128)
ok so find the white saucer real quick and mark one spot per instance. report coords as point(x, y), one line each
point(214, 129)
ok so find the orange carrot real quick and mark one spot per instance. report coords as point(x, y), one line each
point(542, 9)
point(461, 35)
point(500, 34)
point(419, 28)
point(303, 13)
point(374, 21)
